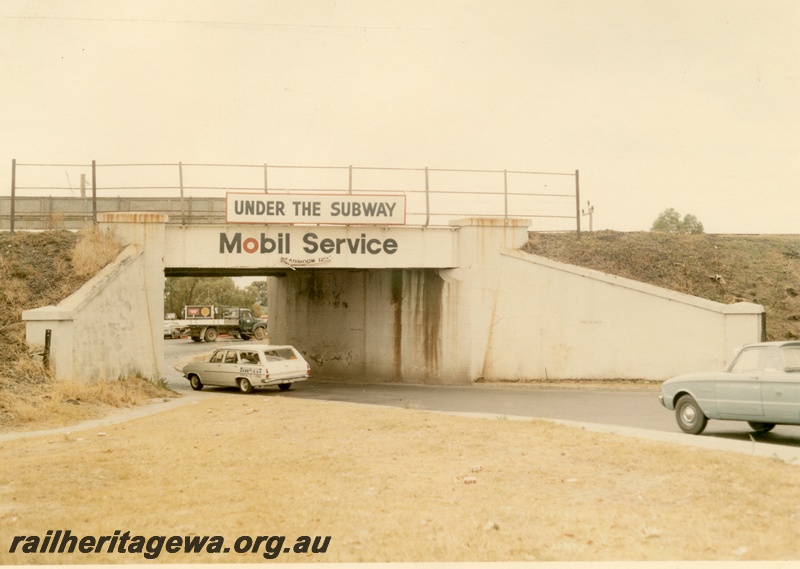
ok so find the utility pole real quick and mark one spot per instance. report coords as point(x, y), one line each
point(589, 211)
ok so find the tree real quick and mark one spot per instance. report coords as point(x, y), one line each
point(259, 289)
point(669, 221)
point(219, 291)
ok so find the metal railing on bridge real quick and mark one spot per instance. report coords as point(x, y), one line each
point(69, 195)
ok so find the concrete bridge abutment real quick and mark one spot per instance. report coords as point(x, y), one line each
point(417, 325)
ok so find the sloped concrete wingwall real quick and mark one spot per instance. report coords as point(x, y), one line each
point(102, 331)
point(112, 326)
point(570, 322)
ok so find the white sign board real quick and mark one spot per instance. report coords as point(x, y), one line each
point(290, 247)
point(289, 209)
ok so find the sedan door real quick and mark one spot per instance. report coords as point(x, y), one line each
point(780, 392)
point(228, 369)
point(739, 391)
point(780, 386)
point(739, 396)
point(209, 371)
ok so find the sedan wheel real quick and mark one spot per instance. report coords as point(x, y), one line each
point(195, 382)
point(761, 427)
point(245, 386)
point(689, 416)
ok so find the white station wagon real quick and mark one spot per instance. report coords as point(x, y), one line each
point(249, 367)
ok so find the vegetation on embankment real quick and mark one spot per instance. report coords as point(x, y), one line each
point(764, 269)
point(40, 269)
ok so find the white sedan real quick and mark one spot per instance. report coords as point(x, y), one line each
point(249, 367)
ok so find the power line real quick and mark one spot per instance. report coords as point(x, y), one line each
point(208, 23)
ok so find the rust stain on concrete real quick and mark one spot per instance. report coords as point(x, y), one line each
point(430, 287)
point(397, 301)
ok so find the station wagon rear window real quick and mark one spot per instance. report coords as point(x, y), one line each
point(279, 354)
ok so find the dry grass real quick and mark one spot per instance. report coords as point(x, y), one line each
point(93, 251)
point(764, 269)
point(38, 269)
point(46, 403)
point(388, 485)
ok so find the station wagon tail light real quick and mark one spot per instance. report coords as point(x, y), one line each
point(308, 369)
point(266, 374)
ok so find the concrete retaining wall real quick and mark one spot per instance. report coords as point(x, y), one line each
point(579, 323)
point(112, 325)
point(101, 331)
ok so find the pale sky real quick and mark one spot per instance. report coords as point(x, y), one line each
point(661, 103)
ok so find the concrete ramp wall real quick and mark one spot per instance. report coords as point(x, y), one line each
point(551, 320)
point(103, 330)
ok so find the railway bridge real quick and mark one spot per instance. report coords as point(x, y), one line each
point(381, 301)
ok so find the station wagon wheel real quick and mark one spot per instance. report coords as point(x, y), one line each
point(689, 416)
point(245, 386)
point(195, 382)
point(259, 333)
point(285, 386)
point(761, 427)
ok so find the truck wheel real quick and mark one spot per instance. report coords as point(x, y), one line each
point(196, 338)
point(245, 386)
point(260, 333)
point(211, 335)
point(245, 336)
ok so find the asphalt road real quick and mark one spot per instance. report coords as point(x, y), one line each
point(636, 407)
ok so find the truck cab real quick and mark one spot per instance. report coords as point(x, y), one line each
point(249, 325)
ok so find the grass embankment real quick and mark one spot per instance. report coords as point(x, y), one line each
point(40, 269)
point(764, 269)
